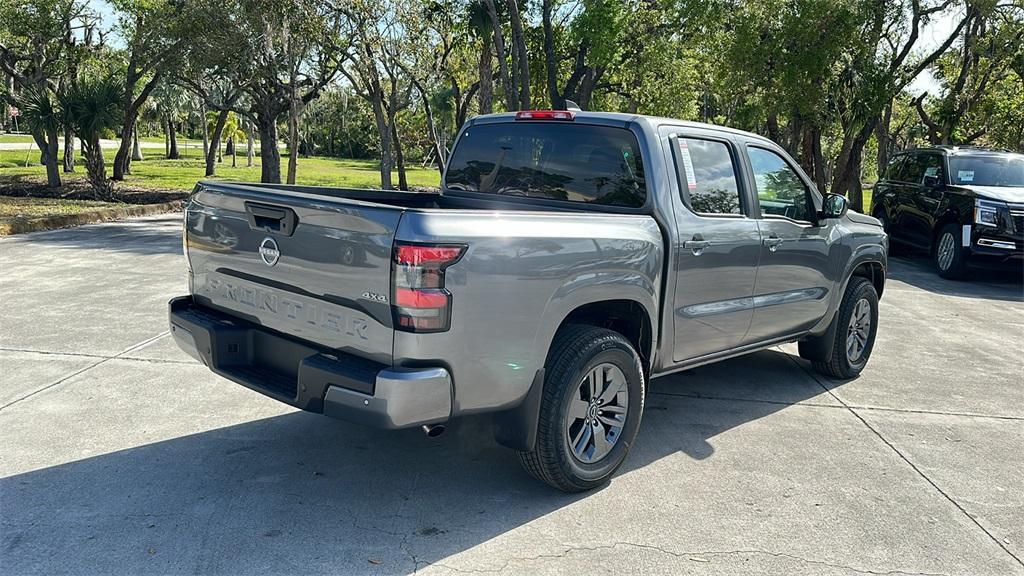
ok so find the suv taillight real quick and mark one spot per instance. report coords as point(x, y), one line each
point(420, 302)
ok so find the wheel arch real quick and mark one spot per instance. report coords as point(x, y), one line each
point(517, 428)
point(951, 216)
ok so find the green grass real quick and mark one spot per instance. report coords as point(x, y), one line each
point(15, 138)
point(12, 208)
point(158, 173)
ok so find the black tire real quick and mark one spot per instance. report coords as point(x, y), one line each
point(575, 353)
point(951, 264)
point(840, 364)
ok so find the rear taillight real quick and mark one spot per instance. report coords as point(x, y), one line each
point(420, 302)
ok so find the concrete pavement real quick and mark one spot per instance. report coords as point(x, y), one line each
point(122, 455)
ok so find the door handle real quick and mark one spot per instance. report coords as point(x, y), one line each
point(772, 242)
point(696, 245)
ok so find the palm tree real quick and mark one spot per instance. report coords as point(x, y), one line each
point(91, 107)
point(45, 119)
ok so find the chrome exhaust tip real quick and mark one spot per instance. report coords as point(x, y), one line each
point(433, 430)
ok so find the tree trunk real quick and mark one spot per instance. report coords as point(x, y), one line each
point(403, 182)
point(206, 133)
point(249, 149)
point(293, 141)
point(384, 133)
point(812, 159)
point(522, 55)
point(172, 134)
point(165, 124)
point(882, 138)
point(136, 149)
point(550, 60)
point(69, 150)
point(772, 126)
point(231, 141)
point(96, 170)
point(846, 179)
point(486, 95)
point(131, 115)
point(229, 145)
point(214, 144)
point(49, 145)
point(270, 156)
point(508, 86)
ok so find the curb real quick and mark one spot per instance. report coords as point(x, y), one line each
point(104, 215)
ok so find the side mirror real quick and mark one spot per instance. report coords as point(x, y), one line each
point(834, 206)
point(931, 181)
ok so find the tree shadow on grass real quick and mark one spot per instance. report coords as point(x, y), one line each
point(300, 493)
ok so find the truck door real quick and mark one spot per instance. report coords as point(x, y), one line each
point(794, 277)
point(717, 245)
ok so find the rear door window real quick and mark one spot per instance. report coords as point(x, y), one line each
point(913, 169)
point(707, 176)
point(892, 172)
point(556, 160)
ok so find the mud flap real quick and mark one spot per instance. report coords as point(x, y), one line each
point(820, 347)
point(517, 428)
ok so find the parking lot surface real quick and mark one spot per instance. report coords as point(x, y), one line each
point(120, 454)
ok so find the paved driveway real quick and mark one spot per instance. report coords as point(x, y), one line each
point(118, 454)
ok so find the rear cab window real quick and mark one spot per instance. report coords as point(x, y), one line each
point(707, 176)
point(555, 160)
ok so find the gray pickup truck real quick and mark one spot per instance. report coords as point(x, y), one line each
point(568, 258)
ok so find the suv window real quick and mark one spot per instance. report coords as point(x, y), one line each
point(553, 159)
point(932, 167)
point(912, 169)
point(892, 171)
point(780, 191)
point(707, 176)
point(1002, 170)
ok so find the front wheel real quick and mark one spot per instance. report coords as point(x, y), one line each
point(949, 257)
point(590, 410)
point(855, 333)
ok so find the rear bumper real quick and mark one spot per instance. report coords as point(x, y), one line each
point(339, 385)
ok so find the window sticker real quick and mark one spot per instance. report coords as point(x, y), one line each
point(931, 171)
point(965, 175)
point(691, 179)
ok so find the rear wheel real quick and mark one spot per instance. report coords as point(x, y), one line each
point(590, 411)
point(948, 255)
point(855, 333)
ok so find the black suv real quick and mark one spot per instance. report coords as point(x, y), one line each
point(963, 204)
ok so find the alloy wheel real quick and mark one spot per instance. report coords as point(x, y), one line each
point(859, 331)
point(946, 251)
point(597, 413)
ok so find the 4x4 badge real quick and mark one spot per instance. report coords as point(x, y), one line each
point(269, 252)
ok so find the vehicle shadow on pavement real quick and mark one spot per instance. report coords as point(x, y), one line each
point(917, 271)
point(304, 493)
point(148, 236)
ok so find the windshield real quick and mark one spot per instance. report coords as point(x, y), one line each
point(1003, 170)
point(557, 160)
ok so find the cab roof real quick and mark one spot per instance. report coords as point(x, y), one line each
point(625, 118)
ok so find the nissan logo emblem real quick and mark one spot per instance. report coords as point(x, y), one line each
point(269, 252)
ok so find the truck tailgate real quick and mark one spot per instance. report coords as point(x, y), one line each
point(313, 267)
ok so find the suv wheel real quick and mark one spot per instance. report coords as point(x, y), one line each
point(855, 333)
point(590, 411)
point(947, 253)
